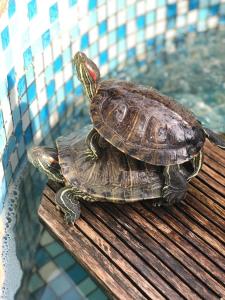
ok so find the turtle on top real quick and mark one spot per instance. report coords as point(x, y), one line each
point(142, 145)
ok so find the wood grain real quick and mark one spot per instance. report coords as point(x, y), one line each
point(137, 252)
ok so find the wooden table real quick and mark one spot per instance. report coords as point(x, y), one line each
point(137, 252)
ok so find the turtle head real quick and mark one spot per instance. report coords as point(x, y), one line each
point(46, 160)
point(88, 73)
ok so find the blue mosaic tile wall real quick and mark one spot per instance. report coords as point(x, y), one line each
point(39, 38)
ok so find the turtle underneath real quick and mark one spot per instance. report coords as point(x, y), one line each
point(114, 177)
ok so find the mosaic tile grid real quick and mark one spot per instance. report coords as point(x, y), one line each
point(38, 40)
point(59, 276)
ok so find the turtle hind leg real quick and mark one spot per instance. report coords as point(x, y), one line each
point(46, 160)
point(92, 141)
point(216, 138)
point(175, 186)
point(67, 200)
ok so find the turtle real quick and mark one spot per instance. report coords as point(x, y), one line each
point(141, 122)
point(115, 177)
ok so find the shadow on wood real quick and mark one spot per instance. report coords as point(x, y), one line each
point(137, 252)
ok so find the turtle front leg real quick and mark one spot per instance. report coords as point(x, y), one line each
point(215, 138)
point(175, 186)
point(92, 141)
point(67, 201)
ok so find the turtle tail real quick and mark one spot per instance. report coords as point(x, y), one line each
point(216, 138)
point(46, 160)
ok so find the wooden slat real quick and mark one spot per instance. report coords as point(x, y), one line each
point(137, 252)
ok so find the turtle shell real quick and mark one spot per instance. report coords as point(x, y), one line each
point(113, 177)
point(145, 124)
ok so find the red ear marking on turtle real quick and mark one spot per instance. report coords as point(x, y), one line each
point(91, 71)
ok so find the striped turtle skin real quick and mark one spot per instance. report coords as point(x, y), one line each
point(115, 177)
point(140, 121)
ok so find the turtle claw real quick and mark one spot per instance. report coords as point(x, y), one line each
point(69, 218)
point(172, 195)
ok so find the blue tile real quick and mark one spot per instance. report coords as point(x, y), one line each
point(61, 109)
point(31, 9)
point(46, 39)
point(21, 85)
point(44, 115)
point(67, 55)
point(64, 260)
point(50, 89)
point(16, 116)
point(103, 57)
point(11, 144)
point(140, 22)
point(92, 4)
point(23, 104)
point(5, 38)
point(52, 104)
point(79, 90)
point(42, 257)
point(45, 293)
point(28, 135)
point(131, 52)
point(18, 130)
point(30, 75)
point(68, 86)
point(35, 124)
point(213, 10)
point(21, 147)
point(53, 13)
point(121, 32)
point(84, 41)
point(11, 79)
point(49, 73)
point(72, 294)
point(171, 10)
point(11, 8)
point(97, 295)
point(77, 273)
point(150, 17)
point(5, 157)
point(72, 2)
point(171, 23)
point(57, 65)
point(203, 14)
point(2, 139)
point(31, 92)
point(193, 4)
point(27, 57)
point(102, 28)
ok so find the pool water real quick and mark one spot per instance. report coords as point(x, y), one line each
point(194, 75)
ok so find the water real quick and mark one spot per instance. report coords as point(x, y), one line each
point(194, 75)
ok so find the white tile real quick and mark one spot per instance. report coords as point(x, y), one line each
point(67, 72)
point(25, 120)
point(131, 27)
point(40, 82)
point(38, 137)
point(101, 13)
point(141, 7)
point(112, 23)
point(103, 44)
point(93, 35)
point(192, 16)
point(38, 64)
point(47, 56)
point(59, 80)
point(14, 160)
point(161, 14)
point(54, 118)
point(33, 109)
point(121, 17)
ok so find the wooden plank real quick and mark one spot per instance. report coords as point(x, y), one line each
point(137, 252)
point(89, 256)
